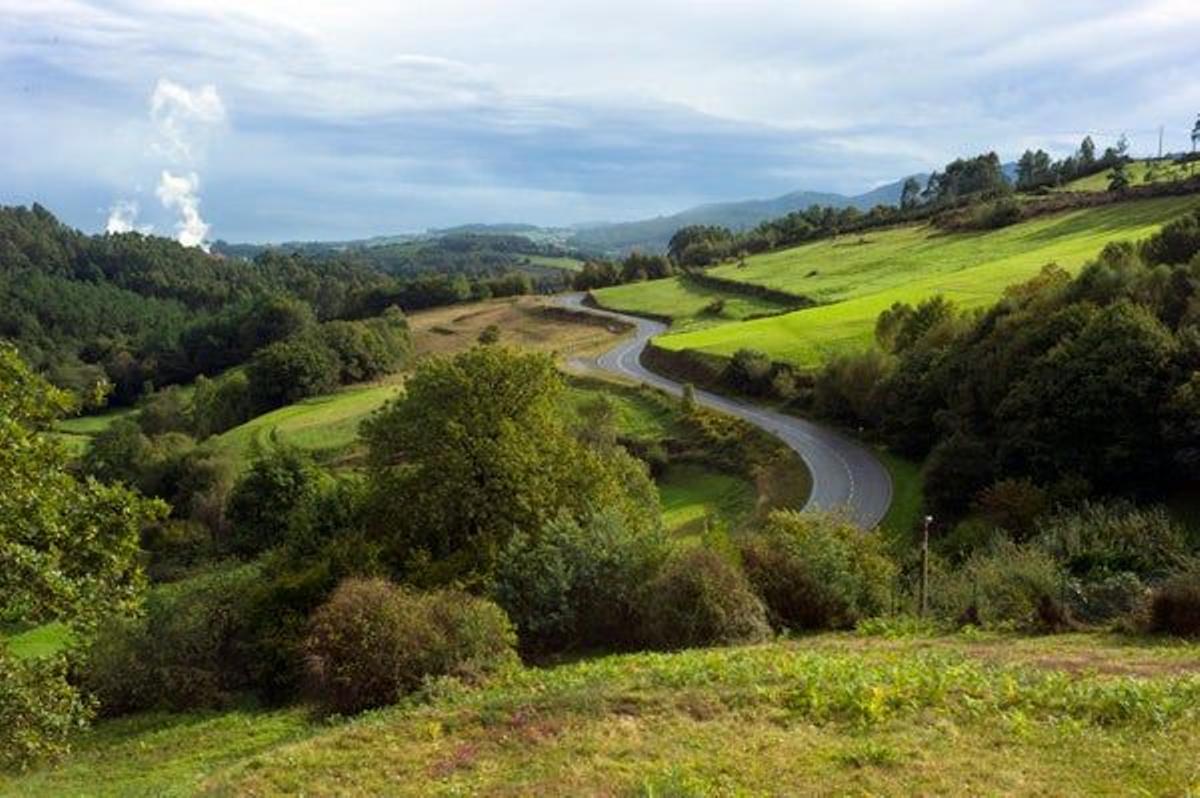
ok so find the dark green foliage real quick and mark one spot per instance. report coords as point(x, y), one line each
point(700, 245)
point(963, 177)
point(1176, 243)
point(288, 371)
point(817, 571)
point(699, 598)
point(1014, 505)
point(221, 404)
point(1175, 606)
point(749, 371)
point(373, 642)
point(956, 470)
point(39, 710)
point(1100, 539)
point(277, 484)
point(574, 585)
point(845, 389)
point(478, 450)
point(188, 650)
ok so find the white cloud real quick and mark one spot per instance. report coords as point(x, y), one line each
point(185, 118)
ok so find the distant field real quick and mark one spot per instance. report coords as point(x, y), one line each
point(1166, 170)
point(327, 425)
point(833, 713)
point(564, 263)
point(523, 322)
point(860, 276)
point(78, 432)
point(685, 302)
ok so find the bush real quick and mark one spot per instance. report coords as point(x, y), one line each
point(1175, 605)
point(1103, 539)
point(577, 584)
point(373, 641)
point(749, 371)
point(700, 599)
point(187, 651)
point(39, 710)
point(1105, 598)
point(1012, 586)
point(817, 571)
point(288, 371)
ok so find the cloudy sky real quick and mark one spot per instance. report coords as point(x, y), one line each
point(291, 119)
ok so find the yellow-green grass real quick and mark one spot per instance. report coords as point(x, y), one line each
point(77, 432)
point(551, 262)
point(908, 264)
point(829, 714)
point(684, 302)
point(1166, 170)
point(38, 641)
point(694, 497)
point(326, 425)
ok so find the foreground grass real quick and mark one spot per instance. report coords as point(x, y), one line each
point(827, 714)
point(858, 277)
point(39, 641)
point(685, 302)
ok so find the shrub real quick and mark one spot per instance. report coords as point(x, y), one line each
point(1175, 605)
point(288, 371)
point(1105, 598)
point(818, 571)
point(373, 641)
point(39, 710)
point(1112, 538)
point(577, 584)
point(749, 371)
point(188, 650)
point(700, 599)
point(1012, 586)
point(1014, 505)
point(846, 388)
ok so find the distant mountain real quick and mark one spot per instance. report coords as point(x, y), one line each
point(652, 235)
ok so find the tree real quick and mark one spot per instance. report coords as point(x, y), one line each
point(478, 450)
point(68, 546)
point(1118, 177)
point(1087, 154)
point(278, 485)
point(291, 370)
point(910, 193)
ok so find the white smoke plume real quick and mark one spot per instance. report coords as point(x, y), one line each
point(179, 192)
point(122, 217)
point(184, 121)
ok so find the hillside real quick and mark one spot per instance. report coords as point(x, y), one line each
point(854, 278)
point(829, 714)
point(652, 235)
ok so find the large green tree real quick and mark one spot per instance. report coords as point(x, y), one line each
point(68, 546)
point(478, 450)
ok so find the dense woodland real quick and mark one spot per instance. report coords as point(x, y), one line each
point(139, 312)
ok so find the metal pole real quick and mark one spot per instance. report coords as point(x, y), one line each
point(925, 567)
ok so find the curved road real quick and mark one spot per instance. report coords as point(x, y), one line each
point(845, 474)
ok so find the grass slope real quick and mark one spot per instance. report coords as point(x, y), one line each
point(693, 496)
point(1166, 170)
point(684, 302)
point(860, 277)
point(829, 714)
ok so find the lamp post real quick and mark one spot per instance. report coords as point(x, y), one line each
point(925, 567)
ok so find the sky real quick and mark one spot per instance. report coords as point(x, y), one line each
point(273, 120)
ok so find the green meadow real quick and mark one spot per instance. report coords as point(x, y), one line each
point(694, 497)
point(857, 277)
point(688, 304)
point(894, 709)
point(1164, 170)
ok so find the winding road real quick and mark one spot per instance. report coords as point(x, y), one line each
point(845, 474)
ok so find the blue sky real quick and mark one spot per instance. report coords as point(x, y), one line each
point(291, 119)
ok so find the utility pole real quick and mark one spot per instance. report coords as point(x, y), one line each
point(925, 567)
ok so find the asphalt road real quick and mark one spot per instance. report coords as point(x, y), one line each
point(846, 475)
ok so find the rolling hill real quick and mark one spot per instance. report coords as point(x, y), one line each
point(854, 278)
point(652, 235)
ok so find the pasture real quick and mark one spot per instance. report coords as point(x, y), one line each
point(858, 277)
point(690, 306)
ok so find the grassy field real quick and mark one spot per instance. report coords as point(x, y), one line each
point(1166, 170)
point(78, 432)
point(685, 302)
point(327, 425)
point(861, 276)
point(523, 323)
point(38, 641)
point(829, 714)
point(693, 496)
point(561, 262)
